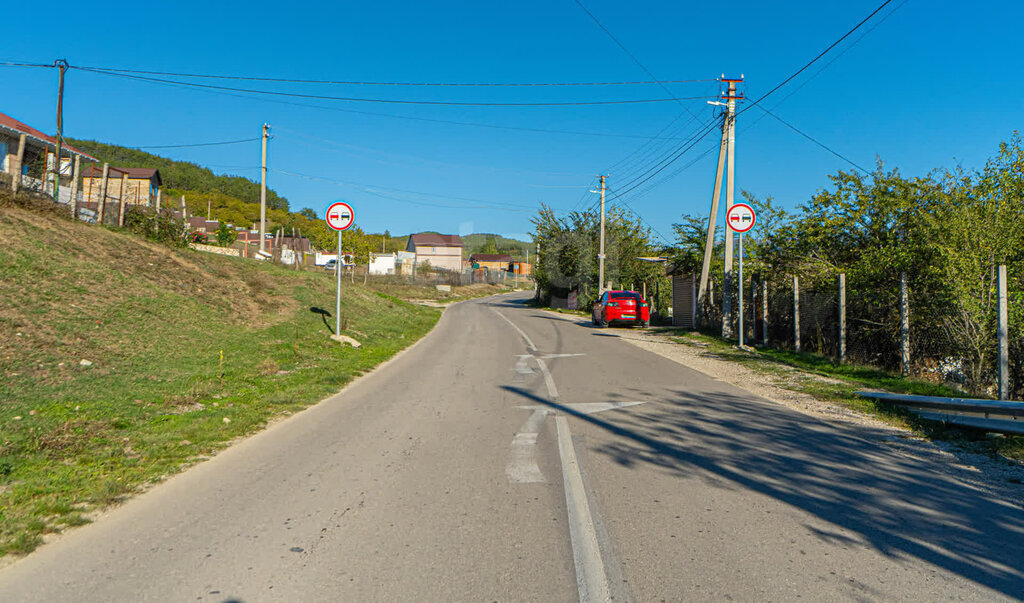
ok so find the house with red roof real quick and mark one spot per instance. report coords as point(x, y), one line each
point(25, 154)
point(440, 250)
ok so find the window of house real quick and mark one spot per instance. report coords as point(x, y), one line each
point(3, 156)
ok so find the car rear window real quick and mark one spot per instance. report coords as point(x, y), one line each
point(633, 296)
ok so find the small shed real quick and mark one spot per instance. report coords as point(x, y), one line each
point(684, 297)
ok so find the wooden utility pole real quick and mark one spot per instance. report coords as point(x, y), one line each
point(123, 201)
point(16, 172)
point(62, 65)
point(796, 313)
point(74, 185)
point(1004, 348)
point(263, 194)
point(842, 318)
point(904, 325)
point(103, 193)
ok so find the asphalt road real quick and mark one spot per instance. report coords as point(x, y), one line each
point(512, 455)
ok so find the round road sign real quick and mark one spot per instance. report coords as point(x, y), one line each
point(340, 216)
point(740, 217)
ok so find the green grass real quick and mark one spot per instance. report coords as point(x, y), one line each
point(827, 380)
point(157, 396)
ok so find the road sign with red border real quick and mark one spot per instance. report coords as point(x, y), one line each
point(340, 216)
point(740, 217)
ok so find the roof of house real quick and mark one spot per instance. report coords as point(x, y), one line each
point(8, 122)
point(133, 173)
point(432, 239)
point(490, 257)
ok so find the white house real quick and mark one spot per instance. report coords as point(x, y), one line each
point(440, 251)
point(382, 263)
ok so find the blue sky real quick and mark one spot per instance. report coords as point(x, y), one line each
point(931, 84)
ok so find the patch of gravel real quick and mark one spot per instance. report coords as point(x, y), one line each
point(1002, 477)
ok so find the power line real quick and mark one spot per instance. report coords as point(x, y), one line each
point(652, 172)
point(423, 119)
point(821, 54)
point(19, 64)
point(637, 214)
point(372, 83)
point(626, 50)
point(812, 139)
point(198, 144)
point(395, 101)
point(368, 189)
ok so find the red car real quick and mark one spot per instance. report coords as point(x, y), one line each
point(621, 307)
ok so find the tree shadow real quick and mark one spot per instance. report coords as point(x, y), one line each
point(902, 505)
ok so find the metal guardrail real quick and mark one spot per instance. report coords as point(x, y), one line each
point(1002, 416)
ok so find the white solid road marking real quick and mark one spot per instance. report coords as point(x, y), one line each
point(522, 467)
point(550, 356)
point(529, 342)
point(591, 580)
point(591, 577)
point(548, 379)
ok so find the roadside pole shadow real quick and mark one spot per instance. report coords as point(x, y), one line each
point(324, 314)
point(900, 505)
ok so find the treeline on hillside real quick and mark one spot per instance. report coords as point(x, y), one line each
point(948, 232)
point(181, 175)
point(494, 243)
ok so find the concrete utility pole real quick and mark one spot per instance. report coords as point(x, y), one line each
point(726, 149)
point(263, 196)
point(600, 253)
point(730, 186)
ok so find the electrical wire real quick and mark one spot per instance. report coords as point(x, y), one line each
point(394, 101)
point(423, 119)
point(198, 144)
point(809, 137)
point(369, 189)
point(370, 83)
point(820, 54)
point(21, 64)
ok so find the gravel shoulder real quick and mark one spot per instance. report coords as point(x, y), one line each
point(999, 476)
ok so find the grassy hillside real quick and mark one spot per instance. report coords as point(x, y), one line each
point(113, 374)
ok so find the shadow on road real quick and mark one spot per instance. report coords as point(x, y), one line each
point(901, 505)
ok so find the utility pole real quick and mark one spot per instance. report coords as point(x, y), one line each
point(600, 253)
point(263, 195)
point(726, 150)
point(62, 65)
point(730, 186)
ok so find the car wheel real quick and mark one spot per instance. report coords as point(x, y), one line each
point(645, 324)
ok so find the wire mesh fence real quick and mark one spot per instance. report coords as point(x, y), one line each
point(943, 343)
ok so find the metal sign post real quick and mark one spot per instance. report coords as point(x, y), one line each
point(740, 218)
point(339, 216)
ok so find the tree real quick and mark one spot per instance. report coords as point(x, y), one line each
point(226, 235)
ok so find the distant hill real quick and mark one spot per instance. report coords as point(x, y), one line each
point(182, 175)
point(479, 242)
